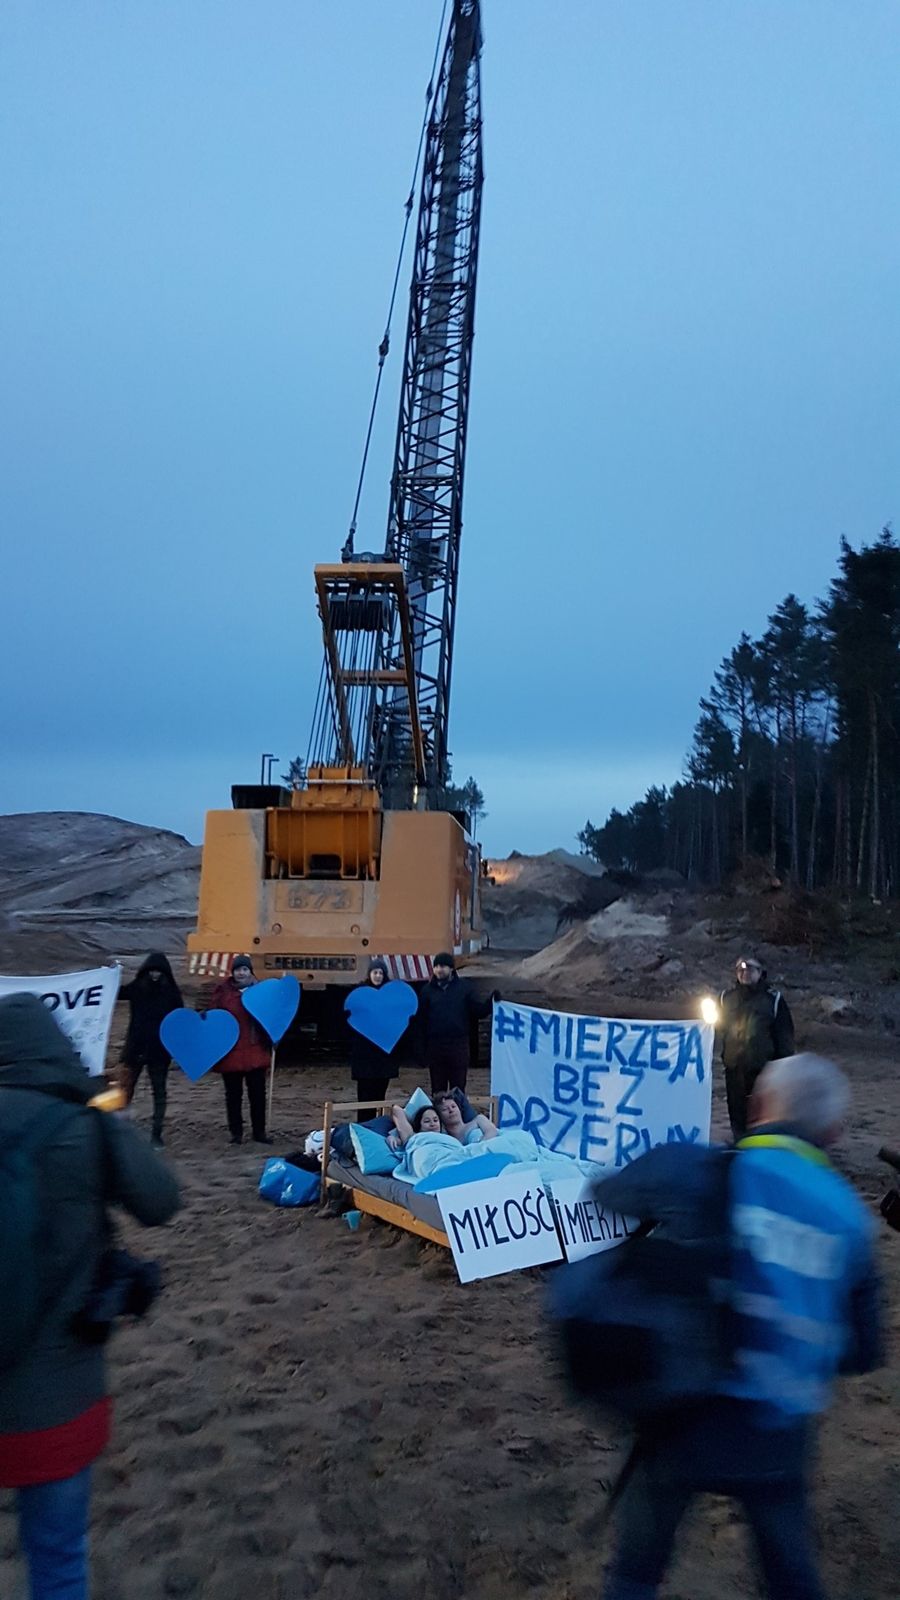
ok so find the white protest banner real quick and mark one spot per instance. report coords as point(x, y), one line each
point(598, 1088)
point(82, 1003)
point(500, 1224)
point(585, 1226)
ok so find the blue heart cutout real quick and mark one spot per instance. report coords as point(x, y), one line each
point(381, 1015)
point(273, 1004)
point(196, 1042)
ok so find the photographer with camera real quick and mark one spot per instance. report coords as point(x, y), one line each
point(61, 1283)
point(722, 1326)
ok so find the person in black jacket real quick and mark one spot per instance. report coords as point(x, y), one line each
point(152, 994)
point(55, 1410)
point(448, 1008)
point(755, 1027)
point(372, 1068)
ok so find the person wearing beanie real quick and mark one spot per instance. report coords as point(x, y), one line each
point(372, 1068)
point(247, 1061)
point(448, 1010)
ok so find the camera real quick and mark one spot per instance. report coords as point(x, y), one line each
point(123, 1286)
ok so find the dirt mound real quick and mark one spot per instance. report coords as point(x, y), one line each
point(76, 887)
point(673, 947)
point(623, 941)
point(567, 858)
point(526, 897)
point(556, 872)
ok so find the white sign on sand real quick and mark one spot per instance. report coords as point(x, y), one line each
point(586, 1227)
point(82, 1003)
point(500, 1224)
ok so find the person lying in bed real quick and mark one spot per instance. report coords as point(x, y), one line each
point(453, 1122)
point(425, 1121)
point(444, 1116)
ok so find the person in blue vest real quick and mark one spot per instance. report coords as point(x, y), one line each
point(803, 1305)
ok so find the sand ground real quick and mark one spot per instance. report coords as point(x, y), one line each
point(315, 1412)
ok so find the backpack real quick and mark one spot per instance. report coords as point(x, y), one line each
point(644, 1329)
point(21, 1303)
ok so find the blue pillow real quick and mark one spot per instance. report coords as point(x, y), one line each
point(372, 1151)
point(340, 1134)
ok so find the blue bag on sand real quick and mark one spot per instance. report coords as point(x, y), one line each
point(285, 1185)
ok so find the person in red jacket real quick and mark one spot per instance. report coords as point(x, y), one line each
point(247, 1062)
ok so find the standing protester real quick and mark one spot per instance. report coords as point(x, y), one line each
point(802, 1304)
point(755, 1027)
point(151, 994)
point(448, 1007)
point(61, 1164)
point(372, 1068)
point(247, 1062)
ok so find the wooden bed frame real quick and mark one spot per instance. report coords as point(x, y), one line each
point(372, 1204)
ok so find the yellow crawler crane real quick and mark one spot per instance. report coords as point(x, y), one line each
point(369, 857)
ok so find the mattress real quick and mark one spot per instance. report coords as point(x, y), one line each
point(383, 1187)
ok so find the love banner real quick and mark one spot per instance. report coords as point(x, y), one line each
point(82, 1003)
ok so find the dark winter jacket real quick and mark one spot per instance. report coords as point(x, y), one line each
point(447, 1011)
point(151, 999)
point(91, 1161)
point(367, 1059)
point(644, 1332)
point(253, 1048)
point(731, 1249)
point(755, 1027)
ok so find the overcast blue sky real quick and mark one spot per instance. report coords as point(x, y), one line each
point(685, 380)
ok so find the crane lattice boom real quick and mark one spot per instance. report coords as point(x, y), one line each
point(389, 649)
